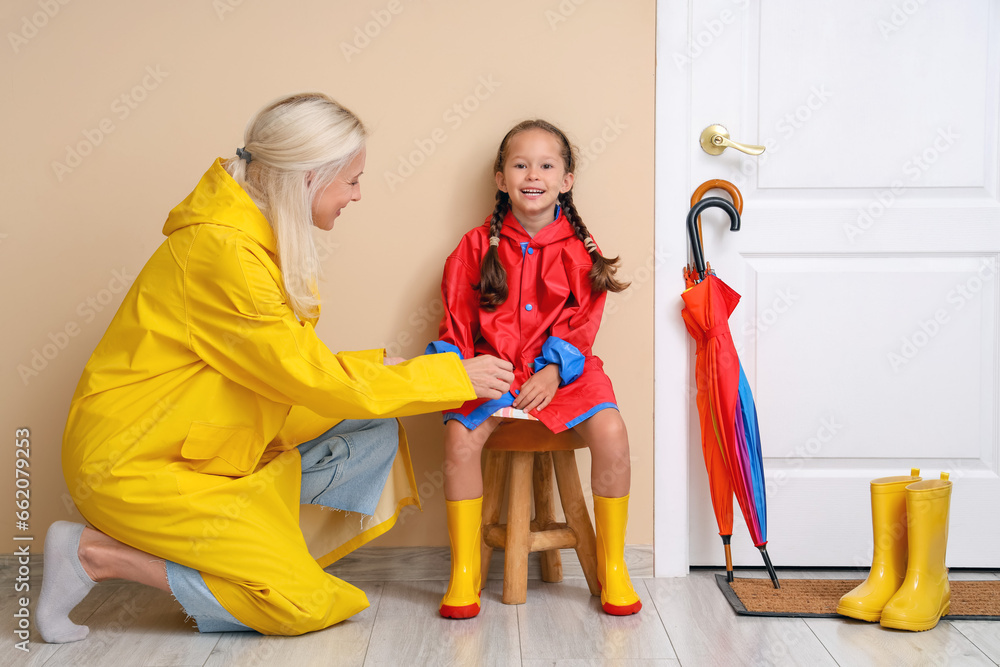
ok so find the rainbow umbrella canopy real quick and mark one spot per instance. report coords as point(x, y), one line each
point(726, 410)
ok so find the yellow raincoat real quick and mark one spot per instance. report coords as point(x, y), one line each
point(181, 434)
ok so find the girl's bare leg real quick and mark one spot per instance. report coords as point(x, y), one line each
point(607, 438)
point(610, 477)
point(463, 476)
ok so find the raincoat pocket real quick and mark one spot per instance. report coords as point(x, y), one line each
point(232, 451)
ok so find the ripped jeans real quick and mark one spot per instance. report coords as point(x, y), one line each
point(346, 468)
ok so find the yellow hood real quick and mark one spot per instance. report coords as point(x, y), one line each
point(219, 200)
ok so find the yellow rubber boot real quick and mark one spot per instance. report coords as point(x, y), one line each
point(889, 562)
point(617, 595)
point(465, 528)
point(925, 595)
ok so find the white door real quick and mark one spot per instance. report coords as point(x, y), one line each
point(867, 261)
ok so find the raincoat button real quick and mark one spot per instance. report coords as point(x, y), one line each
point(528, 307)
point(531, 251)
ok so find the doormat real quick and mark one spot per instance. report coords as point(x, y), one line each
point(818, 598)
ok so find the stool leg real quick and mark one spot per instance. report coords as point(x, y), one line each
point(577, 516)
point(495, 469)
point(515, 564)
point(545, 514)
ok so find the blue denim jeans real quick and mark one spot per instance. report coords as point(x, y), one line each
point(346, 468)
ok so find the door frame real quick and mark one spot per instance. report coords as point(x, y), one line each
point(671, 346)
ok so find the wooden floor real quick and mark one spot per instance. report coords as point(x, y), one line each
point(684, 621)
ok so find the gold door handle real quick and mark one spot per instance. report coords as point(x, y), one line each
point(715, 139)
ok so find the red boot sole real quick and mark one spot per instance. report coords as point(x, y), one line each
point(465, 611)
point(626, 610)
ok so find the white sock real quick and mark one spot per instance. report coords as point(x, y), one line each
point(64, 584)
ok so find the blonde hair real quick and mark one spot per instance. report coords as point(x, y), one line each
point(289, 139)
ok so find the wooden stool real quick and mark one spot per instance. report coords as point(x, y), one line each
point(529, 450)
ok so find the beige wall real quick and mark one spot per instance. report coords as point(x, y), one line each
point(153, 92)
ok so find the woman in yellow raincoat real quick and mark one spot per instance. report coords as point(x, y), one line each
point(210, 409)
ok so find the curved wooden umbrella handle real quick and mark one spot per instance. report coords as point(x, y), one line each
point(717, 184)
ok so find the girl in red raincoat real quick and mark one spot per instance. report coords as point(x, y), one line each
point(529, 286)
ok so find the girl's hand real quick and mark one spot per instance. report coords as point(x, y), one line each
point(538, 390)
point(392, 361)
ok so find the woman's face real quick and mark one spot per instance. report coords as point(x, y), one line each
point(342, 190)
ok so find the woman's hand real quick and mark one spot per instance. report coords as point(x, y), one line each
point(491, 377)
point(538, 390)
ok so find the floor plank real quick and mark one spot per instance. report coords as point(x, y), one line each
point(600, 662)
point(704, 630)
point(138, 626)
point(38, 651)
point(984, 634)
point(853, 642)
point(344, 644)
point(685, 621)
point(409, 630)
point(563, 621)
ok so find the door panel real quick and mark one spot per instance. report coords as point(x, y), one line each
point(868, 262)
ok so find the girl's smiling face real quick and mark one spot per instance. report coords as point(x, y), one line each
point(534, 174)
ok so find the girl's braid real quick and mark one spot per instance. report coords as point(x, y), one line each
point(602, 274)
point(493, 277)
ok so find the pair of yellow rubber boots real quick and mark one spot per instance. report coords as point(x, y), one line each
point(907, 587)
point(465, 535)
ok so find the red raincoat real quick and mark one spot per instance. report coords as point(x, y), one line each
point(551, 315)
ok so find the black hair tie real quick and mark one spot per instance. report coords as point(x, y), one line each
point(244, 153)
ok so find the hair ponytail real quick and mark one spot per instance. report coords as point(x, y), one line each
point(288, 139)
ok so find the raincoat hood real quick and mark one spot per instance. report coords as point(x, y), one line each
point(557, 230)
point(219, 200)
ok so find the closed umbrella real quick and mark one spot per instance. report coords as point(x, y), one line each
point(730, 435)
